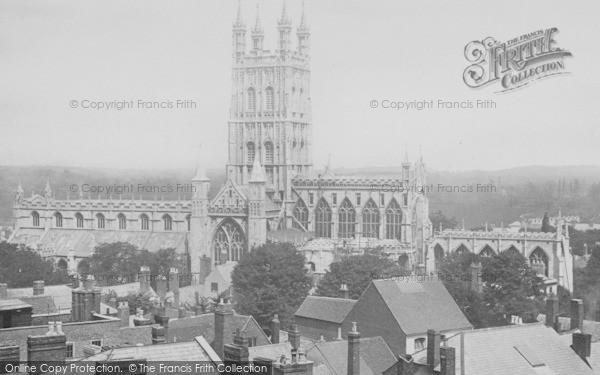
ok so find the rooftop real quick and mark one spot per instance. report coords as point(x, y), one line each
point(13, 304)
point(325, 308)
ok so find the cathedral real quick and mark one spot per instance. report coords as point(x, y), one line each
point(270, 192)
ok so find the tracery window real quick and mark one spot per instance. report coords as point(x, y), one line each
point(323, 219)
point(347, 220)
point(370, 217)
point(393, 221)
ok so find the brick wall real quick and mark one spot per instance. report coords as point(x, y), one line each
point(313, 328)
point(43, 319)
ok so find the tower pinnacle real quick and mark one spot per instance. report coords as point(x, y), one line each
point(258, 29)
point(257, 172)
point(284, 21)
point(200, 170)
point(303, 25)
point(239, 22)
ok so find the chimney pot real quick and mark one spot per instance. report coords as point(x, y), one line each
point(38, 287)
point(551, 310)
point(447, 360)
point(354, 351)
point(433, 348)
point(275, 328)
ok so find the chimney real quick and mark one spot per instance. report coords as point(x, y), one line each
point(161, 287)
point(551, 309)
point(344, 292)
point(275, 326)
point(339, 335)
point(9, 356)
point(3, 291)
point(582, 344)
point(294, 337)
point(51, 347)
point(576, 314)
point(433, 347)
point(205, 268)
point(476, 285)
point(353, 351)
point(85, 300)
point(405, 365)
point(238, 351)
point(174, 285)
point(163, 320)
point(299, 367)
point(38, 287)
point(139, 319)
point(123, 313)
point(144, 278)
point(197, 310)
point(447, 360)
point(223, 315)
point(158, 335)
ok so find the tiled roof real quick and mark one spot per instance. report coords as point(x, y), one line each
point(187, 294)
point(123, 290)
point(594, 359)
point(284, 347)
point(325, 308)
point(512, 350)
point(589, 326)
point(185, 329)
point(375, 356)
point(225, 270)
point(61, 294)
point(13, 304)
point(421, 305)
point(42, 304)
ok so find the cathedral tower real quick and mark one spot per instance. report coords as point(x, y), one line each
point(270, 113)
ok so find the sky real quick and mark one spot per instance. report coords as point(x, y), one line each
point(55, 52)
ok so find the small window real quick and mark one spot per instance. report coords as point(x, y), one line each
point(97, 342)
point(214, 287)
point(145, 222)
point(58, 220)
point(101, 223)
point(122, 222)
point(420, 343)
point(381, 199)
point(358, 199)
point(251, 341)
point(69, 350)
point(168, 223)
point(35, 217)
point(311, 198)
point(79, 220)
point(334, 198)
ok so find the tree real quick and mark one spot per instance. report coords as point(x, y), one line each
point(438, 217)
point(271, 279)
point(546, 223)
point(139, 300)
point(356, 271)
point(20, 266)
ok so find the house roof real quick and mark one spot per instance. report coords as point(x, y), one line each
point(42, 304)
point(225, 271)
point(327, 309)
point(185, 329)
point(589, 326)
point(421, 305)
point(13, 304)
point(61, 294)
point(123, 290)
point(284, 347)
point(526, 349)
point(375, 356)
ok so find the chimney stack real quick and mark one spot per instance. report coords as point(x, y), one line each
point(158, 335)
point(51, 347)
point(223, 315)
point(9, 355)
point(174, 286)
point(38, 287)
point(433, 347)
point(354, 351)
point(123, 313)
point(344, 292)
point(447, 360)
point(85, 300)
point(551, 309)
point(576, 314)
point(582, 344)
point(144, 278)
point(205, 268)
point(161, 287)
point(3, 291)
point(238, 351)
point(294, 337)
point(275, 327)
point(339, 335)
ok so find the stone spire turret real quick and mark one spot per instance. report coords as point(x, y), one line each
point(258, 33)
point(48, 190)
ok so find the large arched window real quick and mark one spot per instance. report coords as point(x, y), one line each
point(58, 220)
point(228, 242)
point(122, 221)
point(168, 222)
point(461, 249)
point(538, 260)
point(300, 216)
point(100, 222)
point(251, 99)
point(438, 254)
point(35, 219)
point(270, 99)
point(251, 153)
point(347, 220)
point(323, 219)
point(269, 153)
point(79, 220)
point(487, 252)
point(512, 250)
point(145, 222)
point(393, 221)
point(370, 217)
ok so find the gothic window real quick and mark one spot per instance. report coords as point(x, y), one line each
point(58, 220)
point(228, 242)
point(251, 99)
point(145, 222)
point(334, 198)
point(538, 258)
point(438, 254)
point(358, 199)
point(486, 252)
point(270, 98)
point(462, 249)
point(301, 216)
point(347, 220)
point(370, 217)
point(122, 221)
point(268, 153)
point(79, 220)
point(513, 250)
point(419, 344)
point(323, 219)
point(189, 222)
point(168, 222)
point(100, 222)
point(393, 221)
point(35, 219)
point(251, 152)
point(311, 198)
point(381, 199)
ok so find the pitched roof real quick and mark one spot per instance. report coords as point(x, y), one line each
point(123, 290)
point(327, 309)
point(61, 294)
point(185, 329)
point(42, 304)
point(589, 326)
point(225, 271)
point(13, 304)
point(421, 305)
point(283, 348)
point(513, 350)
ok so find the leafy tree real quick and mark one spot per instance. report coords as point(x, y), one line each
point(356, 271)
point(546, 223)
point(20, 266)
point(438, 217)
point(139, 300)
point(271, 279)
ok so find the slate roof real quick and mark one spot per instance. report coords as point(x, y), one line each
point(327, 309)
point(375, 356)
point(13, 304)
point(61, 294)
point(42, 304)
point(122, 290)
point(284, 347)
point(185, 329)
point(511, 349)
point(589, 326)
point(421, 305)
point(187, 294)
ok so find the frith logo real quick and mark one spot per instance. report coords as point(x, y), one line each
point(515, 63)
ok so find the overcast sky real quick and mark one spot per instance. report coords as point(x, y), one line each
point(53, 52)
